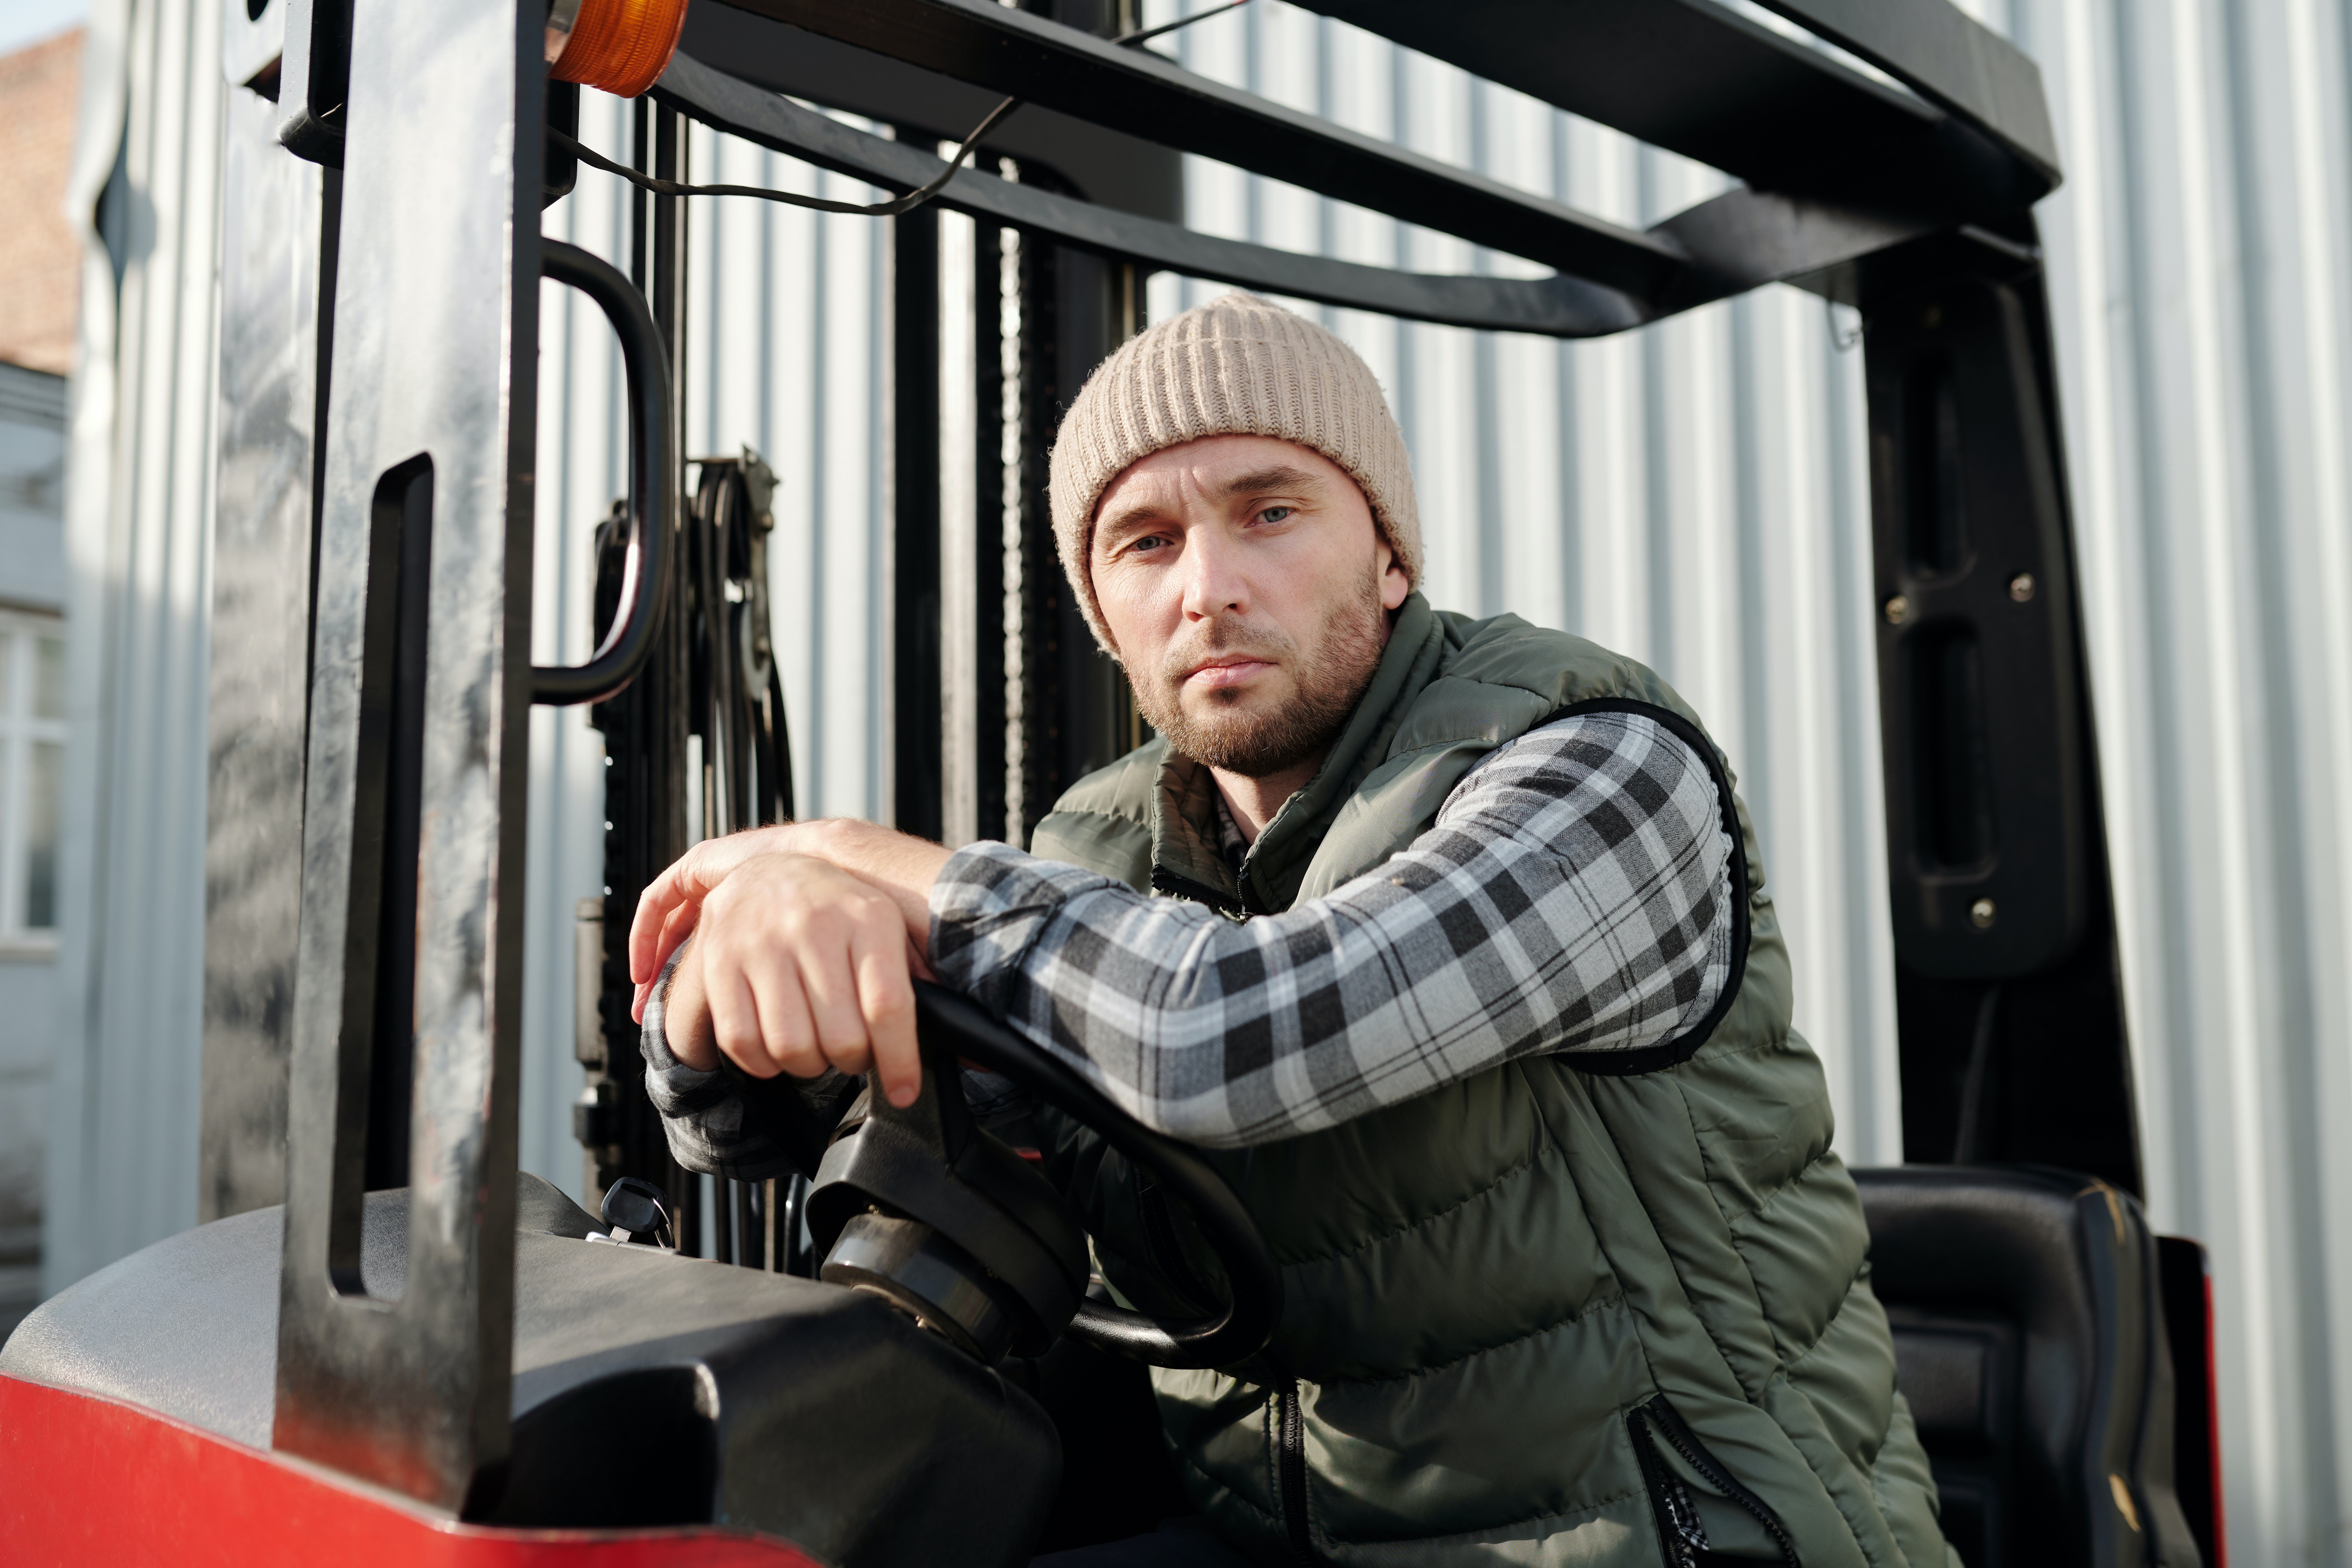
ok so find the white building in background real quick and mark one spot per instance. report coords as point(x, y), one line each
point(39, 276)
point(32, 773)
point(1695, 494)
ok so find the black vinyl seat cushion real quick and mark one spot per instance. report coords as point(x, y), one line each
point(2029, 1341)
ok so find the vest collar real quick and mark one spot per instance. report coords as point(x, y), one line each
point(1184, 855)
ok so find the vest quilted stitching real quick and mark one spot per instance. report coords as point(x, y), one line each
point(1481, 1281)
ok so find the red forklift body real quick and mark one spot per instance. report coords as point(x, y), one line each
point(89, 1479)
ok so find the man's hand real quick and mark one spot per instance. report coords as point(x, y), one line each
point(806, 936)
point(798, 966)
point(672, 902)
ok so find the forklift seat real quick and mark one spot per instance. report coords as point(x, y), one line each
point(2029, 1341)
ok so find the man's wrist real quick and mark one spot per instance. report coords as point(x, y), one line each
point(782, 838)
point(826, 837)
point(847, 841)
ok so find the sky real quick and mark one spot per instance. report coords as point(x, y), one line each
point(25, 22)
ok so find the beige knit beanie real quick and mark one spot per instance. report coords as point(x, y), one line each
point(1238, 365)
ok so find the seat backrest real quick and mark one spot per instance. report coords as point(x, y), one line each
point(2030, 1343)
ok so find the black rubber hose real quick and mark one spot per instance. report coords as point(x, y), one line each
point(1249, 1318)
point(645, 580)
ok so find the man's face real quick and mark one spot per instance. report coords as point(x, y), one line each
point(1248, 591)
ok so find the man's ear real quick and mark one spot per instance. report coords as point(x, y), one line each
point(1394, 584)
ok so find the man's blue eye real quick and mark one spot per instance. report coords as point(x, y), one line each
point(1276, 513)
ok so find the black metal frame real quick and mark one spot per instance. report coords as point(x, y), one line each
point(1738, 241)
point(1909, 200)
point(421, 689)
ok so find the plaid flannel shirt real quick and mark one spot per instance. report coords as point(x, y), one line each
point(1573, 895)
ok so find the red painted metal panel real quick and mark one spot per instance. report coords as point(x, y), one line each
point(90, 1480)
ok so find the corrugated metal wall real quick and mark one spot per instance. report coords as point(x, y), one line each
point(1695, 495)
point(2202, 272)
point(123, 1091)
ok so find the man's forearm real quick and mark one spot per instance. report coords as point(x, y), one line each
point(1574, 895)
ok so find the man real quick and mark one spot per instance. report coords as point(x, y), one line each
point(1451, 936)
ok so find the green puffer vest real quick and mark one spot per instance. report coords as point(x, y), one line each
point(1549, 1314)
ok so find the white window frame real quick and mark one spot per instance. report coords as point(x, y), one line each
point(20, 731)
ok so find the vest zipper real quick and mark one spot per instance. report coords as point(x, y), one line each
point(1175, 887)
point(1290, 1459)
point(1684, 1536)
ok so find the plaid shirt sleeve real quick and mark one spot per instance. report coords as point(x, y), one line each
point(1574, 894)
point(701, 1117)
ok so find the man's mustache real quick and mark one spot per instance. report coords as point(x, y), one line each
point(1226, 640)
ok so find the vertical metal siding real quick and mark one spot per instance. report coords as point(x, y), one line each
point(1695, 495)
point(122, 1164)
point(2201, 266)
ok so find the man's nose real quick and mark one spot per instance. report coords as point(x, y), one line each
point(1214, 582)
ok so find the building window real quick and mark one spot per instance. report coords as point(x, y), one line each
point(32, 775)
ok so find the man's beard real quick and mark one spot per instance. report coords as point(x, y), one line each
point(1258, 745)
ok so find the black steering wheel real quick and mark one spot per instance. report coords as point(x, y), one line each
point(1249, 1318)
point(921, 1206)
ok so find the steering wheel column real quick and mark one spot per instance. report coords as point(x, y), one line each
point(925, 1208)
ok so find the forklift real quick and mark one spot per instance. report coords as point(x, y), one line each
point(411, 1353)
